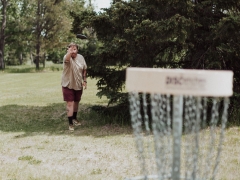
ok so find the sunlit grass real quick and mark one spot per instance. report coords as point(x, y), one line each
point(40, 89)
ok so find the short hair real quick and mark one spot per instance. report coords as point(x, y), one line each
point(72, 44)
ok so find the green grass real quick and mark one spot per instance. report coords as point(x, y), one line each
point(33, 103)
point(35, 143)
point(30, 159)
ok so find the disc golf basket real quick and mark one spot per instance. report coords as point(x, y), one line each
point(178, 119)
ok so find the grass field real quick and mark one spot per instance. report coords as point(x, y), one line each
point(35, 142)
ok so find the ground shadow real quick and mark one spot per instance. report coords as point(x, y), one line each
point(52, 119)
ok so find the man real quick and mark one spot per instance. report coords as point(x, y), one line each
point(73, 80)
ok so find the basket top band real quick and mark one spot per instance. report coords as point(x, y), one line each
point(215, 83)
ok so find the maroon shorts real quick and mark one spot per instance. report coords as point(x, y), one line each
point(71, 94)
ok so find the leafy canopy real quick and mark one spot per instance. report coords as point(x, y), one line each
point(193, 34)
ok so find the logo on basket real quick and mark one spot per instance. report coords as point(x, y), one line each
point(185, 82)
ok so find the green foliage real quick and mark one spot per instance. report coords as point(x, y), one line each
point(35, 27)
point(132, 34)
point(167, 34)
point(56, 56)
point(234, 110)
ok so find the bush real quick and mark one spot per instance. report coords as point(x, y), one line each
point(56, 56)
point(234, 110)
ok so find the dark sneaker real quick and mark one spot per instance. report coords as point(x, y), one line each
point(76, 122)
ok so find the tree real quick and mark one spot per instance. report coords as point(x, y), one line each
point(47, 23)
point(18, 33)
point(34, 28)
point(11, 28)
point(135, 33)
point(4, 6)
point(196, 34)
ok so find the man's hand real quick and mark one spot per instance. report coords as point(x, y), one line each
point(70, 50)
point(85, 85)
point(69, 54)
point(84, 75)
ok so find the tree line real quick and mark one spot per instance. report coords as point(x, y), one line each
point(33, 29)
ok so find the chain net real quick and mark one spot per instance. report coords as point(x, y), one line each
point(193, 154)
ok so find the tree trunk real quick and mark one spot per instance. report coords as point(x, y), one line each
point(2, 33)
point(43, 60)
point(38, 36)
point(37, 55)
point(31, 58)
point(20, 58)
point(2, 65)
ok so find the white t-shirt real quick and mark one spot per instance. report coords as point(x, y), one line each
point(72, 76)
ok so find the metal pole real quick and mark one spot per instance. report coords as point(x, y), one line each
point(177, 135)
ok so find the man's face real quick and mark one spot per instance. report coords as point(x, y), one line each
point(74, 51)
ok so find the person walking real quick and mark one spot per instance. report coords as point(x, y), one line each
point(74, 78)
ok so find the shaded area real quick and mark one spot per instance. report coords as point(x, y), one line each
point(19, 69)
point(52, 119)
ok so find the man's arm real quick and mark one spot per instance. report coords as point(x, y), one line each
point(84, 75)
point(68, 55)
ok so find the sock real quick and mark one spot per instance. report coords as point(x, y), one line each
point(70, 119)
point(74, 115)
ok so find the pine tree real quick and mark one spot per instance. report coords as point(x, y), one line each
point(192, 34)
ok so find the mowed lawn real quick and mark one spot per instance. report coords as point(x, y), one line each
point(35, 143)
